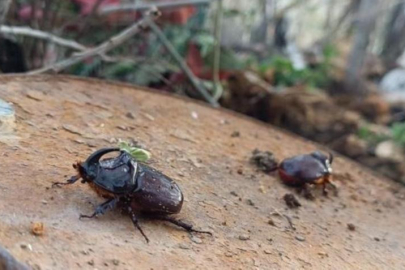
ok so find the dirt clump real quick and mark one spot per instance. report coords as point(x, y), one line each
point(264, 160)
point(291, 201)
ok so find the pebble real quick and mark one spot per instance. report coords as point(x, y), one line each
point(228, 254)
point(250, 202)
point(91, 262)
point(196, 240)
point(267, 251)
point(244, 237)
point(26, 246)
point(184, 246)
point(300, 238)
point(130, 115)
point(351, 227)
point(116, 262)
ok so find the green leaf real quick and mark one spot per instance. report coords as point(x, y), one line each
point(137, 153)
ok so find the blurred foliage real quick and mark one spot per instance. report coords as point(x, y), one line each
point(372, 138)
point(398, 133)
point(285, 74)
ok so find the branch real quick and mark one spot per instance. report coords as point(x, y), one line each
point(193, 79)
point(160, 5)
point(103, 47)
point(217, 51)
point(30, 32)
point(4, 7)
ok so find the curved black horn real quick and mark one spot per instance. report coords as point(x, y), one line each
point(95, 157)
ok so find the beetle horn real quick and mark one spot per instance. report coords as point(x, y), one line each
point(95, 157)
point(330, 157)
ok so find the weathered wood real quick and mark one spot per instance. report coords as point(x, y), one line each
point(60, 120)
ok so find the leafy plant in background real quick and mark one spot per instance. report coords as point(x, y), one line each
point(372, 138)
point(286, 75)
point(398, 133)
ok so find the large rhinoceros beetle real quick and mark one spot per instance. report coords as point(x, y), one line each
point(135, 186)
point(303, 170)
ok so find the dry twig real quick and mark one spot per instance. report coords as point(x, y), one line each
point(103, 47)
point(193, 79)
point(217, 51)
point(4, 7)
point(159, 4)
point(27, 31)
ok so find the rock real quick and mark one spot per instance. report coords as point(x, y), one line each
point(130, 115)
point(389, 150)
point(300, 238)
point(351, 227)
point(26, 246)
point(244, 237)
point(184, 246)
point(271, 222)
point(196, 239)
point(235, 134)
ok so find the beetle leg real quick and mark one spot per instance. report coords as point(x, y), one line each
point(136, 222)
point(187, 227)
point(70, 181)
point(335, 188)
point(324, 189)
point(307, 192)
point(102, 208)
point(327, 180)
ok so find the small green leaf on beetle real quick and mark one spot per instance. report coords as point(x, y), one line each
point(137, 153)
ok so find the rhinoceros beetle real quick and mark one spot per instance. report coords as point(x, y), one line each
point(303, 170)
point(134, 186)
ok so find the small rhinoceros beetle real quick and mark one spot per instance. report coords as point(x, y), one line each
point(134, 186)
point(303, 170)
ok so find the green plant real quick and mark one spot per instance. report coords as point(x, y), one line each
point(286, 75)
point(398, 133)
point(137, 153)
point(372, 138)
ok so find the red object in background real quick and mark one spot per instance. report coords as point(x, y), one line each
point(194, 59)
point(179, 15)
point(25, 13)
point(86, 6)
point(196, 64)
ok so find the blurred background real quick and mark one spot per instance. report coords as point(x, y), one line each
point(331, 71)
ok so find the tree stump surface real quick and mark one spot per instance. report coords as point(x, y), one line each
point(60, 120)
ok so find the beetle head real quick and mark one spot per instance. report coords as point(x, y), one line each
point(327, 161)
point(88, 170)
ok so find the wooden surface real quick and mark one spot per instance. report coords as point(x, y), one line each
point(60, 120)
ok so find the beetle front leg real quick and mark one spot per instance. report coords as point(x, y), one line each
point(102, 208)
point(327, 180)
point(70, 181)
point(307, 192)
point(187, 227)
point(136, 222)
